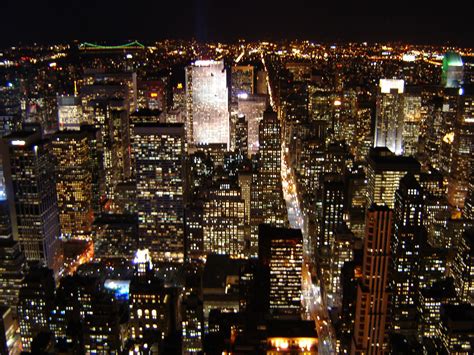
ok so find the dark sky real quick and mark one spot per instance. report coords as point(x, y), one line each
point(328, 20)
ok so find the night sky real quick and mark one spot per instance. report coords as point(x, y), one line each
point(328, 21)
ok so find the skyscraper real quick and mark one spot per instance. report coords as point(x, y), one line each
point(280, 256)
point(373, 296)
point(70, 113)
point(31, 190)
point(384, 172)
point(242, 78)
point(462, 161)
point(12, 262)
point(452, 71)
point(73, 183)
point(463, 268)
point(35, 304)
point(411, 122)
point(408, 240)
point(159, 153)
point(389, 115)
point(224, 221)
point(267, 202)
point(207, 103)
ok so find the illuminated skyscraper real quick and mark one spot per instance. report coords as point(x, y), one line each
point(462, 161)
point(111, 117)
point(373, 296)
point(102, 325)
point(70, 114)
point(463, 268)
point(12, 262)
point(242, 78)
point(270, 166)
point(252, 107)
point(159, 151)
point(31, 191)
point(384, 172)
point(453, 70)
point(389, 115)
point(207, 103)
point(73, 183)
point(280, 256)
point(267, 202)
point(35, 304)
point(455, 328)
point(240, 138)
point(150, 310)
point(331, 219)
point(408, 240)
point(224, 221)
point(411, 122)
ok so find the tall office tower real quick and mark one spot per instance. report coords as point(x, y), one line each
point(373, 296)
point(364, 137)
point(411, 121)
point(240, 139)
point(252, 107)
point(73, 183)
point(270, 165)
point(126, 82)
point(97, 171)
point(384, 172)
point(432, 129)
point(245, 184)
point(115, 236)
point(112, 118)
point(408, 240)
point(266, 192)
point(331, 219)
point(31, 190)
point(8, 124)
point(429, 304)
point(336, 158)
point(102, 328)
point(159, 151)
point(154, 94)
point(242, 79)
point(455, 328)
point(341, 253)
point(280, 256)
point(150, 310)
point(262, 82)
point(35, 304)
point(389, 115)
point(194, 231)
point(70, 114)
point(462, 164)
point(192, 324)
point(449, 113)
point(12, 262)
point(463, 268)
point(468, 211)
point(452, 75)
point(207, 103)
point(224, 221)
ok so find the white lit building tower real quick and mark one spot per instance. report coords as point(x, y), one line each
point(389, 115)
point(207, 103)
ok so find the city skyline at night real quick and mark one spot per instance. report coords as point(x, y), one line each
point(243, 178)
